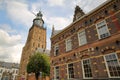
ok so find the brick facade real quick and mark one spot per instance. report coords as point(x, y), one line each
point(95, 49)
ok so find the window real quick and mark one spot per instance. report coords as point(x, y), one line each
point(87, 72)
point(82, 38)
point(16, 71)
point(102, 30)
point(112, 65)
point(56, 70)
point(56, 50)
point(70, 71)
point(68, 44)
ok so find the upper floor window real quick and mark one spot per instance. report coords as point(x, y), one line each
point(56, 50)
point(102, 29)
point(70, 71)
point(68, 44)
point(113, 65)
point(82, 38)
point(56, 72)
point(87, 71)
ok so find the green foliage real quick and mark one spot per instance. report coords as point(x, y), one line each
point(39, 62)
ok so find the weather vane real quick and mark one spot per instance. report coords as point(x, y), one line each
point(33, 13)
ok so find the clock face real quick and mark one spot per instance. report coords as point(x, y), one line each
point(39, 22)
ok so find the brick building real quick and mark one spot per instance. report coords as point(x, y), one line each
point(88, 48)
point(36, 41)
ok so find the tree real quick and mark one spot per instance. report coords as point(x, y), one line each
point(39, 62)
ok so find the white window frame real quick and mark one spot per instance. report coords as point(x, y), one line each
point(55, 48)
point(55, 75)
point(85, 38)
point(107, 64)
point(68, 44)
point(68, 71)
point(83, 69)
point(99, 35)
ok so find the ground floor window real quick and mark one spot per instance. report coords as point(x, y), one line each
point(56, 72)
point(112, 64)
point(70, 71)
point(87, 72)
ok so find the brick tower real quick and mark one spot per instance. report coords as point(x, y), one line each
point(36, 39)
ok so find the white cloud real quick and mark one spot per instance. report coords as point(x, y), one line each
point(19, 13)
point(10, 47)
point(88, 5)
point(6, 28)
point(58, 22)
point(7, 40)
point(56, 2)
point(11, 54)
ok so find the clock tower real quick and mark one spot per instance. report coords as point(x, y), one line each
point(36, 40)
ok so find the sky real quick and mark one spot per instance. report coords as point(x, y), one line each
point(16, 17)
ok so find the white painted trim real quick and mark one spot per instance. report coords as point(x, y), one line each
point(56, 45)
point(67, 45)
point(83, 69)
point(68, 70)
point(98, 30)
point(55, 73)
point(79, 38)
point(107, 64)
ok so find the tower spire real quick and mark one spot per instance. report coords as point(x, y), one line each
point(78, 13)
point(53, 29)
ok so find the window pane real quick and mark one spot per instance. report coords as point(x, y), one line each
point(70, 71)
point(87, 68)
point(56, 50)
point(56, 72)
point(82, 37)
point(112, 64)
point(102, 29)
point(68, 44)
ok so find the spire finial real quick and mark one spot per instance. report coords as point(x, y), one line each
point(53, 29)
point(39, 14)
